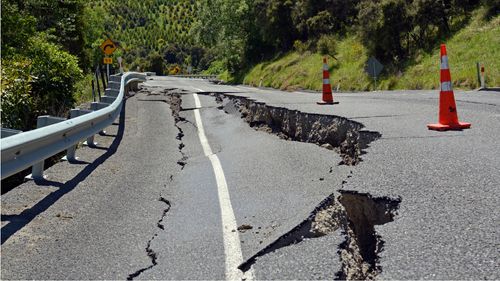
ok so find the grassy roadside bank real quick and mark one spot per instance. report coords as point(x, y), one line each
point(477, 42)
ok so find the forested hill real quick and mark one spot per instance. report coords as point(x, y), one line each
point(398, 33)
point(151, 33)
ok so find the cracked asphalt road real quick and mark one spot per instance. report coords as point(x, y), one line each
point(98, 222)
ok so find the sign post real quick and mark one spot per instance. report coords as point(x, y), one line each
point(483, 84)
point(120, 60)
point(373, 68)
point(107, 61)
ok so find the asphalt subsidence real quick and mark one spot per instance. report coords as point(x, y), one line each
point(328, 131)
point(360, 251)
point(355, 215)
point(351, 213)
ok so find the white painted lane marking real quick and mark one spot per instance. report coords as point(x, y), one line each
point(232, 246)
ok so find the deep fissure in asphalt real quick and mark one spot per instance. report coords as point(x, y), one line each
point(355, 214)
point(331, 132)
point(359, 253)
point(174, 100)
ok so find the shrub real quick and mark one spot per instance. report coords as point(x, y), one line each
point(18, 109)
point(38, 83)
point(327, 45)
point(56, 73)
point(300, 47)
point(216, 67)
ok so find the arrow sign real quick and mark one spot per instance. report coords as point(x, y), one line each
point(108, 47)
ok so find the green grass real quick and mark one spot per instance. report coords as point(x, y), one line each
point(305, 71)
point(478, 41)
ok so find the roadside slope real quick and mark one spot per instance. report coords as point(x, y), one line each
point(477, 42)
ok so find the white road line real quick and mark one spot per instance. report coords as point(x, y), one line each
point(232, 246)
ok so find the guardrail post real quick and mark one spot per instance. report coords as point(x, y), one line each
point(95, 106)
point(37, 168)
point(71, 151)
point(6, 132)
point(107, 99)
point(112, 92)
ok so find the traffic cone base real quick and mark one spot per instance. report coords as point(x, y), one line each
point(443, 127)
point(327, 102)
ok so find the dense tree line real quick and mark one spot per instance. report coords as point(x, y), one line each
point(248, 31)
point(45, 48)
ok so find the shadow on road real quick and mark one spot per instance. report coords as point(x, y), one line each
point(17, 222)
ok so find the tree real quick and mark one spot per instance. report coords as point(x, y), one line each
point(382, 26)
point(63, 20)
point(17, 27)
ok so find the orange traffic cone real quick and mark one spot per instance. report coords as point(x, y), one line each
point(448, 118)
point(327, 88)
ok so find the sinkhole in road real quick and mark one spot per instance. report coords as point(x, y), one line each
point(356, 215)
point(328, 131)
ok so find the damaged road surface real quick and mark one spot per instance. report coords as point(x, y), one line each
point(215, 182)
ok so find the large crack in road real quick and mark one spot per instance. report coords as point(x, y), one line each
point(332, 132)
point(149, 251)
point(174, 101)
point(353, 213)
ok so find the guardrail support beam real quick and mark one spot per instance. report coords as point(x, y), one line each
point(37, 168)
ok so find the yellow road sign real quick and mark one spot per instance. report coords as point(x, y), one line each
point(108, 47)
point(108, 60)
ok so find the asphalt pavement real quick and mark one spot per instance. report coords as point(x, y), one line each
point(131, 210)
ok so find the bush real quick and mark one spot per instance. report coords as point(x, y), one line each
point(18, 110)
point(56, 73)
point(300, 47)
point(41, 82)
point(216, 67)
point(327, 45)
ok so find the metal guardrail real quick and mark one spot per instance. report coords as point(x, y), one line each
point(22, 150)
point(198, 76)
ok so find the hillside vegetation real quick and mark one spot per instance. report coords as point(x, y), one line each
point(50, 48)
point(280, 43)
point(152, 34)
point(477, 42)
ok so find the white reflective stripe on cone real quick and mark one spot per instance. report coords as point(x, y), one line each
point(446, 86)
point(444, 62)
point(326, 81)
point(325, 67)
